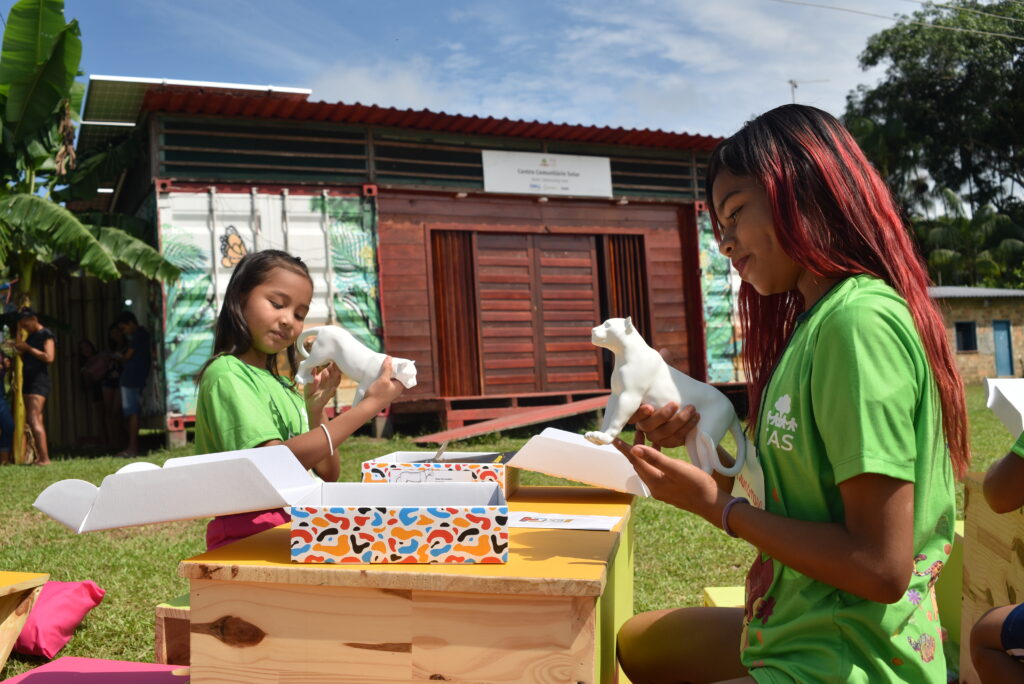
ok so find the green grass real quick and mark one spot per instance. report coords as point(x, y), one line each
point(677, 554)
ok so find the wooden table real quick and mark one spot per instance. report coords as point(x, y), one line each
point(18, 593)
point(549, 615)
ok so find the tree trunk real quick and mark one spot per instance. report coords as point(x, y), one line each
point(26, 267)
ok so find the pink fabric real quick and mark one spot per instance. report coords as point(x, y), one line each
point(228, 528)
point(93, 671)
point(56, 614)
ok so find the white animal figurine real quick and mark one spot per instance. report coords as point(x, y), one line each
point(641, 376)
point(355, 359)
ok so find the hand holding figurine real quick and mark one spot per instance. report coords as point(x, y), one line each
point(321, 388)
point(385, 388)
point(667, 426)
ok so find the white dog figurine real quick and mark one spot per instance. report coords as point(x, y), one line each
point(355, 359)
point(641, 376)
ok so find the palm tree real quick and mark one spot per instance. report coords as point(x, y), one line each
point(39, 100)
point(983, 249)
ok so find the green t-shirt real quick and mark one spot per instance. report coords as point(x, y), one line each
point(853, 393)
point(1018, 446)
point(241, 406)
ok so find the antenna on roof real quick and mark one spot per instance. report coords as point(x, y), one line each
point(793, 84)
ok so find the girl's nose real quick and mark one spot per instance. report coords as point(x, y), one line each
point(726, 246)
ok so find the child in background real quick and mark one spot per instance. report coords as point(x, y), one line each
point(244, 403)
point(997, 640)
point(857, 415)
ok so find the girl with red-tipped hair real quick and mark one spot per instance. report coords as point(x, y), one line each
point(857, 414)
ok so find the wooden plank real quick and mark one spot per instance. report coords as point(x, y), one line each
point(522, 639)
point(504, 304)
point(507, 316)
point(18, 593)
point(993, 564)
point(568, 346)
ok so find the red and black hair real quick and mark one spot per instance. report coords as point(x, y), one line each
point(835, 217)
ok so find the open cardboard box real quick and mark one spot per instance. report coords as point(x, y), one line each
point(453, 522)
point(455, 466)
point(270, 477)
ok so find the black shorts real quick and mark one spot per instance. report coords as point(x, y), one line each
point(36, 384)
point(1013, 633)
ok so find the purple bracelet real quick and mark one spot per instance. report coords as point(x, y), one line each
point(725, 514)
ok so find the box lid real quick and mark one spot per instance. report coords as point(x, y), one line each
point(569, 455)
point(440, 494)
point(188, 487)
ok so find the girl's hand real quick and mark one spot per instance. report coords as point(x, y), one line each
point(385, 388)
point(320, 390)
point(668, 426)
point(674, 481)
point(21, 346)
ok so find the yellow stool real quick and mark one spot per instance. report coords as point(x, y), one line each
point(18, 593)
point(724, 597)
point(171, 636)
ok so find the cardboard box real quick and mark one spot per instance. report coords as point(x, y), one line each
point(465, 466)
point(454, 522)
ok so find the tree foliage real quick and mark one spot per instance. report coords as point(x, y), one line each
point(951, 103)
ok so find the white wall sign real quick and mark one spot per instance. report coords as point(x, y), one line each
point(529, 173)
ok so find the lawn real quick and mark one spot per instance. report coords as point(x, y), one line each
point(137, 566)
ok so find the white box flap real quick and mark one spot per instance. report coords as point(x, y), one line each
point(376, 495)
point(566, 454)
point(185, 488)
point(1006, 399)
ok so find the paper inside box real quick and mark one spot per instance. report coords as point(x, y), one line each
point(358, 494)
point(569, 455)
point(1006, 399)
point(446, 457)
point(184, 488)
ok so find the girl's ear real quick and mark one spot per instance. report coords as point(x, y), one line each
point(629, 325)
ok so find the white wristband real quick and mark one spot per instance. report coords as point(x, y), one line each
point(330, 442)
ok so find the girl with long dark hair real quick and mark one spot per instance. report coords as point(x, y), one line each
point(857, 414)
point(244, 402)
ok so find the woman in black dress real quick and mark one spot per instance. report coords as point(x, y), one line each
point(37, 353)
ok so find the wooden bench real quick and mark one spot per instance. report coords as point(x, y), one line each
point(171, 635)
point(18, 593)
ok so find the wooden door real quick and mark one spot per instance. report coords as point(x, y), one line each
point(538, 299)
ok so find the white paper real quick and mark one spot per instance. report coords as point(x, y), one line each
point(184, 488)
point(562, 522)
point(566, 454)
point(1006, 399)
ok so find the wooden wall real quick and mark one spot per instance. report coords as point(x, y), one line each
point(405, 222)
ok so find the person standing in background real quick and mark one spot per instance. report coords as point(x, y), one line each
point(135, 363)
point(37, 353)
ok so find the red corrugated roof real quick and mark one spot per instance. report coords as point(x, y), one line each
point(271, 106)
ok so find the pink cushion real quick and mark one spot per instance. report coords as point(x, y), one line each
point(56, 614)
point(229, 528)
point(93, 671)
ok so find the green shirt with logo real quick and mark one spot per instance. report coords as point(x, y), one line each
point(853, 393)
point(241, 406)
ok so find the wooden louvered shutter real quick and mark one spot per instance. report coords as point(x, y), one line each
point(455, 313)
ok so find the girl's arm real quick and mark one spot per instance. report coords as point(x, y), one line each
point(670, 425)
point(1004, 484)
point(311, 448)
point(869, 554)
point(45, 354)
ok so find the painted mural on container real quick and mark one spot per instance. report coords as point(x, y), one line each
point(722, 334)
point(188, 330)
point(353, 239)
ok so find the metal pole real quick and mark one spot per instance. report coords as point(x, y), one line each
point(328, 265)
point(254, 220)
point(213, 250)
point(284, 216)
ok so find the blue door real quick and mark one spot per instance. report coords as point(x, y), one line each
point(1004, 354)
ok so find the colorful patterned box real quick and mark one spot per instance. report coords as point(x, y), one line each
point(348, 522)
point(466, 466)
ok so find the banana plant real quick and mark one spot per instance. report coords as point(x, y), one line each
point(39, 102)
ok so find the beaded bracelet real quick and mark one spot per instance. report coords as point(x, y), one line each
point(725, 514)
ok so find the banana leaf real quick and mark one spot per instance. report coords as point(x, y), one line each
point(47, 223)
point(135, 254)
point(31, 102)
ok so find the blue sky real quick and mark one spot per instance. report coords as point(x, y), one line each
point(684, 65)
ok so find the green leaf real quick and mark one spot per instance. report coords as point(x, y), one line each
point(41, 221)
point(135, 254)
point(31, 103)
point(29, 37)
